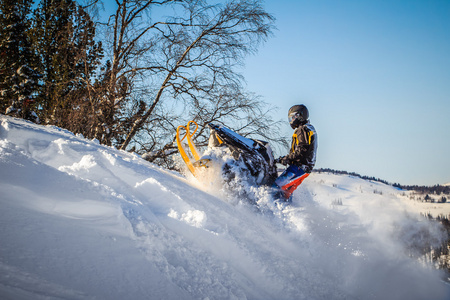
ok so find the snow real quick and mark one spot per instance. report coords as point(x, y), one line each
point(83, 221)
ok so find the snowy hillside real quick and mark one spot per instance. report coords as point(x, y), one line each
point(82, 221)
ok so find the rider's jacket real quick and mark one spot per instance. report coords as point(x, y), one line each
point(304, 147)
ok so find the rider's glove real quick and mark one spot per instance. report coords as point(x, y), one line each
point(282, 160)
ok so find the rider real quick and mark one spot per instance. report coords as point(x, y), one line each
point(302, 155)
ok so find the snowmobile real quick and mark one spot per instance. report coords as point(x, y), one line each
point(228, 151)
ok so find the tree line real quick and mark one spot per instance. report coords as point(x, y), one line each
point(129, 74)
point(435, 189)
point(354, 174)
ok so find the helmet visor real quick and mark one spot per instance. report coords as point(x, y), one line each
point(292, 117)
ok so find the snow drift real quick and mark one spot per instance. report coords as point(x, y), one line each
point(83, 221)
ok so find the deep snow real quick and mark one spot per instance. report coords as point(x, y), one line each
point(83, 221)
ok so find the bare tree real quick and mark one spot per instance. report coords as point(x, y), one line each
point(127, 38)
point(188, 54)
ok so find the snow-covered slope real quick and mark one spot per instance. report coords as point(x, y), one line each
point(83, 221)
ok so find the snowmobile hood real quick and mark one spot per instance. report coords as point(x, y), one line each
point(231, 138)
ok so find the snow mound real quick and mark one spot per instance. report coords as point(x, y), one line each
point(83, 221)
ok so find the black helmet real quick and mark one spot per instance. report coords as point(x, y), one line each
point(298, 114)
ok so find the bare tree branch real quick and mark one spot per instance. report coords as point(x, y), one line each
point(219, 37)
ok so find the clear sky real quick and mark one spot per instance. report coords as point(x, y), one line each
point(375, 76)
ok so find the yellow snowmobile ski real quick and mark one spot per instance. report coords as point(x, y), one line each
point(193, 160)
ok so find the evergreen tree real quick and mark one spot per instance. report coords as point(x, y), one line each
point(19, 79)
point(68, 56)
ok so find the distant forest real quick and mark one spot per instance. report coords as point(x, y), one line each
point(435, 189)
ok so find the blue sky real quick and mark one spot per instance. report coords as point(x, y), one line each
point(375, 76)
